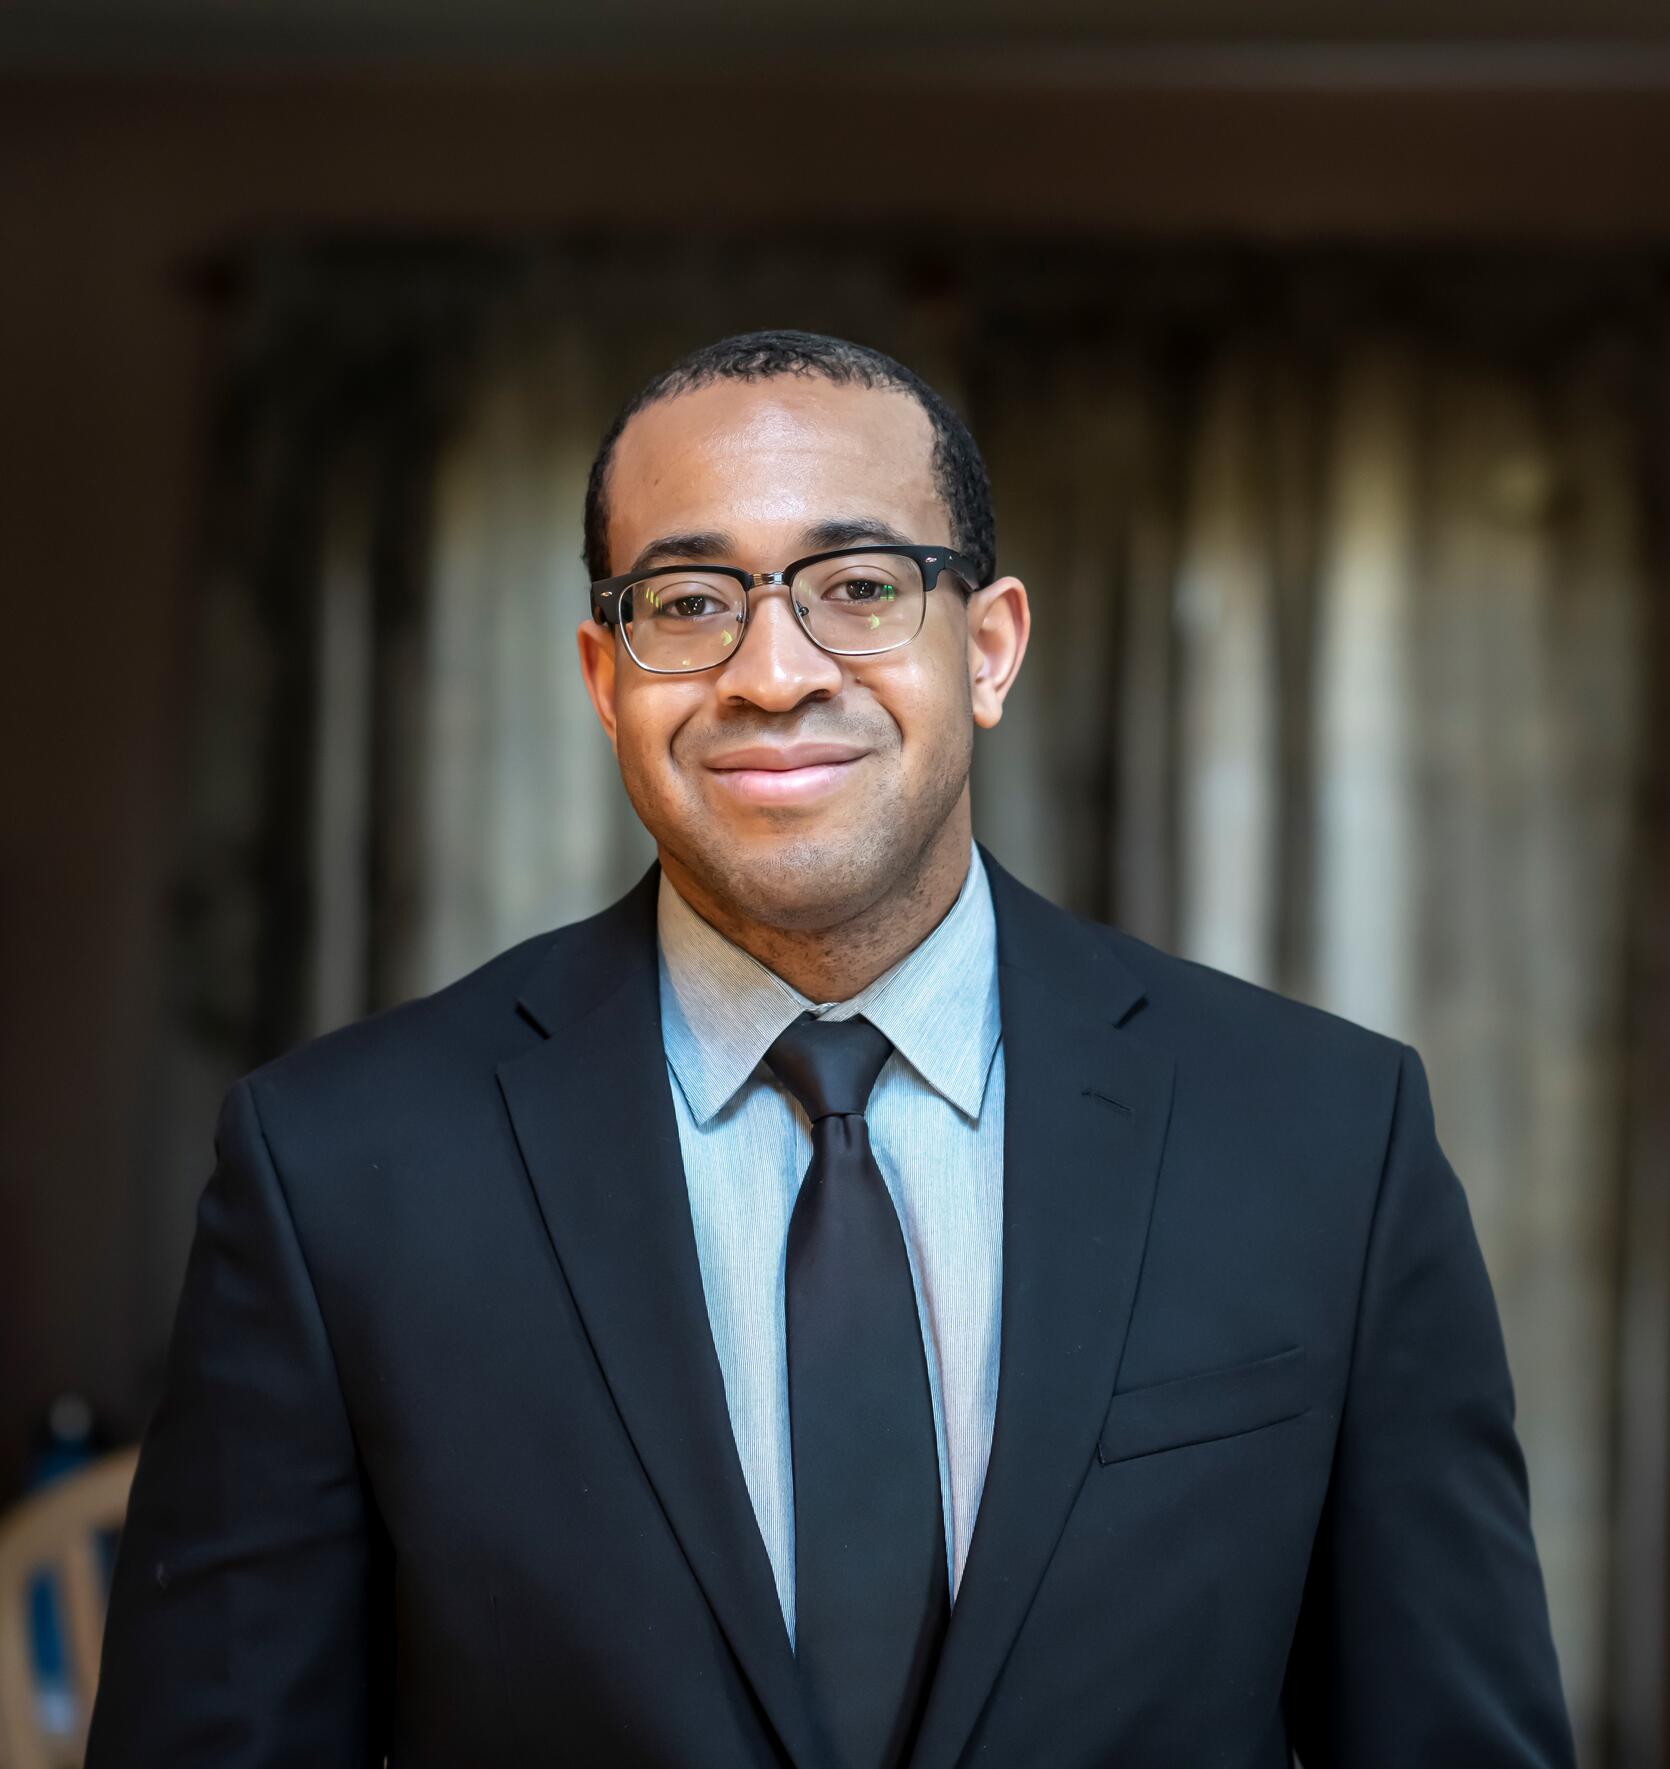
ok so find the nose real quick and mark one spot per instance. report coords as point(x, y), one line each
point(776, 666)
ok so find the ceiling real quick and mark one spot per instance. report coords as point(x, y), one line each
point(1444, 41)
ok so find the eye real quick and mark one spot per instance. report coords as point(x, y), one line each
point(861, 589)
point(680, 599)
point(689, 607)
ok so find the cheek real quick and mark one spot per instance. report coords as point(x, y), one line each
point(924, 689)
point(649, 714)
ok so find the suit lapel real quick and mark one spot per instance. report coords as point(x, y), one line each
point(610, 1183)
point(1086, 1117)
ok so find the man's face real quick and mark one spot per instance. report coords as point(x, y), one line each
point(793, 787)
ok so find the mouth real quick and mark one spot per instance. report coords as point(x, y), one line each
point(787, 774)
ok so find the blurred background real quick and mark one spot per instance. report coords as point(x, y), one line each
point(1322, 363)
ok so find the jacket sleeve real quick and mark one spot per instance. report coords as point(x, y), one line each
point(245, 1608)
point(1423, 1635)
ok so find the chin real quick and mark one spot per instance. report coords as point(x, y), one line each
point(793, 875)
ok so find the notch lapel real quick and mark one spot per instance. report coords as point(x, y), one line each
point(609, 1179)
point(1085, 1123)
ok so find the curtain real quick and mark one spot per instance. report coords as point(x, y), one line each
point(1343, 579)
point(1344, 695)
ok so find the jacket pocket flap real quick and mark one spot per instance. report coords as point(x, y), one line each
point(1195, 1409)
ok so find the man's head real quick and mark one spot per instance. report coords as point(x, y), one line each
point(786, 787)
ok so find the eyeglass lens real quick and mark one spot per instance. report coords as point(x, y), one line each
point(854, 605)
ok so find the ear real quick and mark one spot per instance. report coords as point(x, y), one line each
point(597, 668)
point(999, 621)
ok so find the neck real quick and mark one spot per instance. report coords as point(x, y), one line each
point(834, 963)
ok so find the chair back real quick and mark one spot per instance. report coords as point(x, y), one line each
point(56, 1533)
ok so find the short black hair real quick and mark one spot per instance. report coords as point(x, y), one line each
point(959, 473)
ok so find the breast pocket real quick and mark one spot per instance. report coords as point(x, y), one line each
point(1197, 1409)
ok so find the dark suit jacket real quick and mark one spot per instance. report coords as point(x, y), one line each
point(443, 1469)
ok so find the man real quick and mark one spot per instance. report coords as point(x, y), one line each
point(832, 1308)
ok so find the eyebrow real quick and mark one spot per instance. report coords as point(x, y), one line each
point(711, 544)
point(716, 546)
point(852, 531)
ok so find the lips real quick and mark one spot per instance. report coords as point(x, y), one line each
point(785, 773)
point(779, 758)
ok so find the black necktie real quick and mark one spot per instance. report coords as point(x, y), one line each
point(871, 1600)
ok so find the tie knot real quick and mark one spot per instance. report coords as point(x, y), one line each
point(830, 1066)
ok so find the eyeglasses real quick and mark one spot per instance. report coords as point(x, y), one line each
point(851, 602)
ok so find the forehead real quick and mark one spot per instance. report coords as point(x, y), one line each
point(766, 459)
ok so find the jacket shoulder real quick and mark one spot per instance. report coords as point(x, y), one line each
point(472, 1023)
point(1265, 1080)
point(1222, 1009)
point(1182, 1003)
point(409, 1064)
point(462, 1009)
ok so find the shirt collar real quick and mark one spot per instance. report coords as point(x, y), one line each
point(721, 1009)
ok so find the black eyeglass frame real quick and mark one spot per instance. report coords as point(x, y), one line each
point(607, 593)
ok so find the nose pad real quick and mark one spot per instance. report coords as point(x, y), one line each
point(781, 656)
point(757, 603)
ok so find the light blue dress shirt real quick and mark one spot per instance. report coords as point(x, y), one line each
point(936, 1125)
